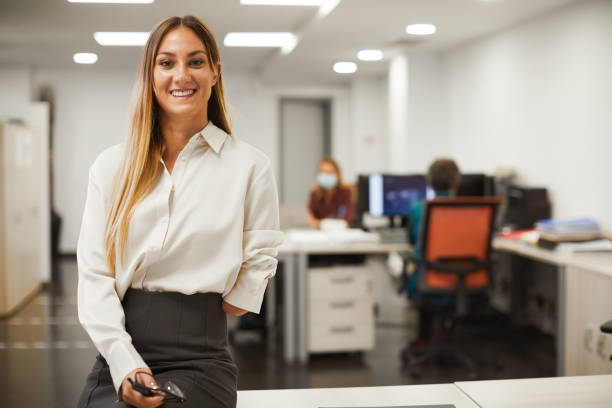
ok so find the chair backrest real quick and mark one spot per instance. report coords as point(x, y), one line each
point(459, 228)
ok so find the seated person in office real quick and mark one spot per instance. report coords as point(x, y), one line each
point(443, 177)
point(330, 198)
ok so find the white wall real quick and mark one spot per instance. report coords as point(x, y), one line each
point(370, 124)
point(252, 110)
point(417, 112)
point(427, 125)
point(398, 117)
point(538, 98)
point(90, 109)
point(16, 84)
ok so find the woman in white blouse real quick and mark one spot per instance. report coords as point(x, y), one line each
point(180, 227)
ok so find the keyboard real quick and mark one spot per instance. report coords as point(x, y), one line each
point(393, 235)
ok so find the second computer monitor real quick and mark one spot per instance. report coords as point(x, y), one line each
point(395, 194)
point(475, 185)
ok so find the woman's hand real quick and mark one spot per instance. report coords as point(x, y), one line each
point(232, 310)
point(136, 399)
point(312, 220)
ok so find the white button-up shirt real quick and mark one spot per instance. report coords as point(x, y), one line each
point(210, 226)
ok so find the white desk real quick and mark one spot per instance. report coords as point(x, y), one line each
point(295, 260)
point(597, 262)
point(584, 285)
point(559, 392)
point(403, 395)
point(585, 392)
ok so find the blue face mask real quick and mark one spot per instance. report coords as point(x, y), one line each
point(327, 180)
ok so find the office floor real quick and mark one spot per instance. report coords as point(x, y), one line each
point(45, 354)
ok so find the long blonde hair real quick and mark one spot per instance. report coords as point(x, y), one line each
point(141, 168)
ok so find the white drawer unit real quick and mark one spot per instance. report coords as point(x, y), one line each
point(340, 309)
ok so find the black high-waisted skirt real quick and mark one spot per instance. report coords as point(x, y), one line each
point(182, 338)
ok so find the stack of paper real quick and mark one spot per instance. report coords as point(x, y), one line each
point(307, 236)
point(569, 230)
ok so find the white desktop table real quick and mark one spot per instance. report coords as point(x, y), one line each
point(559, 392)
point(571, 267)
point(593, 391)
point(403, 395)
point(295, 274)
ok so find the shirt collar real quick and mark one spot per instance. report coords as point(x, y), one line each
point(213, 136)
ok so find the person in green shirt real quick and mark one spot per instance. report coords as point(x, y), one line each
point(443, 177)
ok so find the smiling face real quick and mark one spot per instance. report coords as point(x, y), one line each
point(183, 76)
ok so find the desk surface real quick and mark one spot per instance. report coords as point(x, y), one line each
point(349, 241)
point(559, 392)
point(404, 395)
point(343, 248)
point(599, 262)
point(593, 391)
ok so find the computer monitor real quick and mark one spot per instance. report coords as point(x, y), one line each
point(474, 185)
point(362, 204)
point(394, 194)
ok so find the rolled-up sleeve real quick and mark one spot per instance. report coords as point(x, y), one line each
point(99, 307)
point(261, 239)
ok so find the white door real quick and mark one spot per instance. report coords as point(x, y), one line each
point(304, 142)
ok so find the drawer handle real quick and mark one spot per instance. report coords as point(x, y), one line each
point(342, 305)
point(345, 329)
point(345, 279)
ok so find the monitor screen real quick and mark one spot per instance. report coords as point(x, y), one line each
point(394, 194)
point(472, 185)
point(363, 194)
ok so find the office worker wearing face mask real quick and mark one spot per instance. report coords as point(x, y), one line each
point(330, 198)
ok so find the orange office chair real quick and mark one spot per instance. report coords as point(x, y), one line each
point(451, 262)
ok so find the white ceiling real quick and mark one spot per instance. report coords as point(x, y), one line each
point(46, 33)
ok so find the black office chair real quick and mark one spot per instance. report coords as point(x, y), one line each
point(453, 261)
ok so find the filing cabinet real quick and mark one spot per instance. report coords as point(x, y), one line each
point(341, 310)
point(20, 214)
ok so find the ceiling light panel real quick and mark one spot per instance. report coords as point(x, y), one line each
point(421, 29)
point(283, 40)
point(121, 38)
point(85, 58)
point(370, 55)
point(283, 2)
point(113, 1)
point(345, 67)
